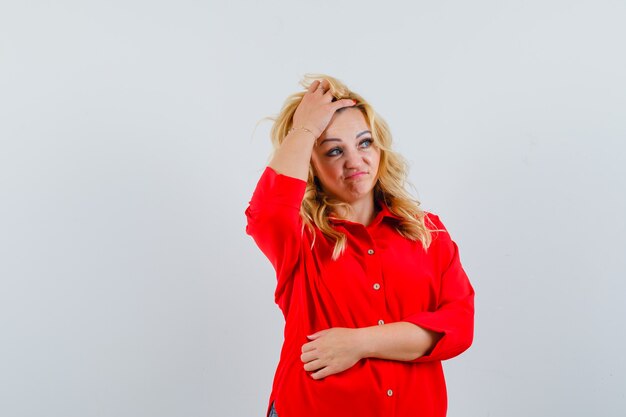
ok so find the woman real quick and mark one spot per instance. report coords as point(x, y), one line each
point(371, 287)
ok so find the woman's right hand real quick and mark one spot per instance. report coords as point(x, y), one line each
point(317, 108)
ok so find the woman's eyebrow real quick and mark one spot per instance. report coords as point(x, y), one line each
point(339, 140)
point(329, 140)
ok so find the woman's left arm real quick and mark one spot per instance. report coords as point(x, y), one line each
point(439, 334)
point(334, 350)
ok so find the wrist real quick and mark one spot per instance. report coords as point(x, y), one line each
point(303, 129)
point(364, 340)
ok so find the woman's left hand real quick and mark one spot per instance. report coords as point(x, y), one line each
point(331, 351)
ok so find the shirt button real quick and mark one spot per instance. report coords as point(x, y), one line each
point(389, 393)
point(381, 322)
point(377, 286)
point(370, 251)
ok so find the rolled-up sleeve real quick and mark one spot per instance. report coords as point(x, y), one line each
point(454, 314)
point(273, 219)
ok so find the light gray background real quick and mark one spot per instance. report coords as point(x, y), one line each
point(130, 148)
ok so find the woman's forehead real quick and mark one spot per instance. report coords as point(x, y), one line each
point(347, 124)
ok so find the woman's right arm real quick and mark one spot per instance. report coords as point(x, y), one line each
point(274, 211)
point(310, 119)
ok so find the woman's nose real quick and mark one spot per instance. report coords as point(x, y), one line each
point(352, 159)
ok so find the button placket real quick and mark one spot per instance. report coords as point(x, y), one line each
point(376, 275)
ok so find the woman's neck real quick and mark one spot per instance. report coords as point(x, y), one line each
point(362, 211)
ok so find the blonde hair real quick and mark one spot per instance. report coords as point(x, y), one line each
point(392, 172)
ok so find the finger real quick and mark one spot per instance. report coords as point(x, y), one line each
point(315, 365)
point(307, 347)
point(322, 373)
point(318, 334)
point(329, 95)
point(308, 356)
point(324, 86)
point(346, 102)
point(313, 86)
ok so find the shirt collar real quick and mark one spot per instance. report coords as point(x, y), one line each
point(383, 213)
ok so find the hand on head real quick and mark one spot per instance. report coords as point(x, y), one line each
point(317, 108)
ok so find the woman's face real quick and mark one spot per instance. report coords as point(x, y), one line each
point(345, 159)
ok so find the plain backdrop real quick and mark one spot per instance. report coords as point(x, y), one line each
point(131, 138)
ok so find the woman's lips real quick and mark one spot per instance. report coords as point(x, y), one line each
point(356, 175)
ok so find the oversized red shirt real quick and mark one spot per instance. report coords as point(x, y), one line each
point(381, 278)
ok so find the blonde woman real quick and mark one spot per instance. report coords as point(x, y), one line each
point(371, 287)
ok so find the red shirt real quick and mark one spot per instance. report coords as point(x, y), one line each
point(381, 278)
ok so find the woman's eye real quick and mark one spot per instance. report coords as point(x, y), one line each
point(334, 152)
point(366, 143)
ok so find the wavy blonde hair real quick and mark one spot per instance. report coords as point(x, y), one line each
point(391, 178)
